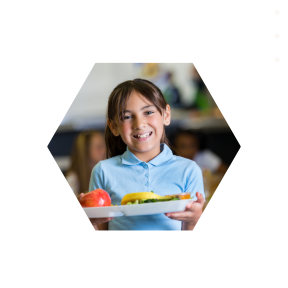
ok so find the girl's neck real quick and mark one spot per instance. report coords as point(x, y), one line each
point(147, 155)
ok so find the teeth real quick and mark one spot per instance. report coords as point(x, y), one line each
point(143, 136)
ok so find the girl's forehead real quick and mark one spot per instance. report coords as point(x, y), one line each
point(136, 99)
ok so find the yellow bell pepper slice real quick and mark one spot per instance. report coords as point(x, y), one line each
point(132, 197)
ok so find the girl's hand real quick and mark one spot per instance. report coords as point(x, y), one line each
point(95, 221)
point(98, 221)
point(80, 196)
point(191, 215)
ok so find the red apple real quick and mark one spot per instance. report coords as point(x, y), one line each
point(96, 198)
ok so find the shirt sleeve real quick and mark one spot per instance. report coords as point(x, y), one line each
point(195, 182)
point(96, 179)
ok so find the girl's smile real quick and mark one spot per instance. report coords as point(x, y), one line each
point(143, 136)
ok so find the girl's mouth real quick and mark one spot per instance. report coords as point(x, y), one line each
point(142, 137)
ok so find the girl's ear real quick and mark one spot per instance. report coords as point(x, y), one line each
point(113, 127)
point(167, 116)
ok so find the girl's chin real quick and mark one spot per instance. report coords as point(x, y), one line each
point(142, 148)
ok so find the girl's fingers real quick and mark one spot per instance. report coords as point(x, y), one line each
point(97, 221)
point(180, 219)
point(189, 206)
point(200, 198)
point(80, 196)
point(185, 214)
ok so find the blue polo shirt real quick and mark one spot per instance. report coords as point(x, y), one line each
point(165, 174)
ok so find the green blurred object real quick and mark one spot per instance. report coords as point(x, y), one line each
point(167, 95)
point(201, 100)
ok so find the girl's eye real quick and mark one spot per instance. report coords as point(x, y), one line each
point(127, 117)
point(149, 112)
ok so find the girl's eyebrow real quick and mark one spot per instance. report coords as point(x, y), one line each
point(141, 108)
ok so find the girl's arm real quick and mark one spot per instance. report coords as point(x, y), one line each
point(103, 226)
point(100, 223)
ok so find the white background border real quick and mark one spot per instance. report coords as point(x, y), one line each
point(47, 52)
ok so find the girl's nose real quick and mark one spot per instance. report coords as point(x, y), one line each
point(139, 123)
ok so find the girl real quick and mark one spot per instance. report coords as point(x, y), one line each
point(88, 150)
point(139, 159)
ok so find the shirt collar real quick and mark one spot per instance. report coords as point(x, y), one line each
point(165, 156)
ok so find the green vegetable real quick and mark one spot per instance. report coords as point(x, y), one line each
point(150, 201)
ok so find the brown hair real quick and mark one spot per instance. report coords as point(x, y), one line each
point(80, 164)
point(116, 106)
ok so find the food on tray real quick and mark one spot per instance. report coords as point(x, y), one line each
point(145, 197)
point(182, 196)
point(96, 198)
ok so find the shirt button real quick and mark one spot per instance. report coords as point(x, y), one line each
point(146, 175)
point(146, 184)
point(145, 166)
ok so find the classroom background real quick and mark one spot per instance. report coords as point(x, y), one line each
point(198, 129)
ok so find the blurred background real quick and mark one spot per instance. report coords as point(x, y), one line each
point(198, 130)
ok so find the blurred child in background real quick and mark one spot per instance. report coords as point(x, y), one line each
point(88, 150)
point(188, 145)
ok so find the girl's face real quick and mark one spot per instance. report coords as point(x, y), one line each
point(96, 148)
point(142, 127)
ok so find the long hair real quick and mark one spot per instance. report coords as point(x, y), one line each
point(80, 164)
point(116, 106)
